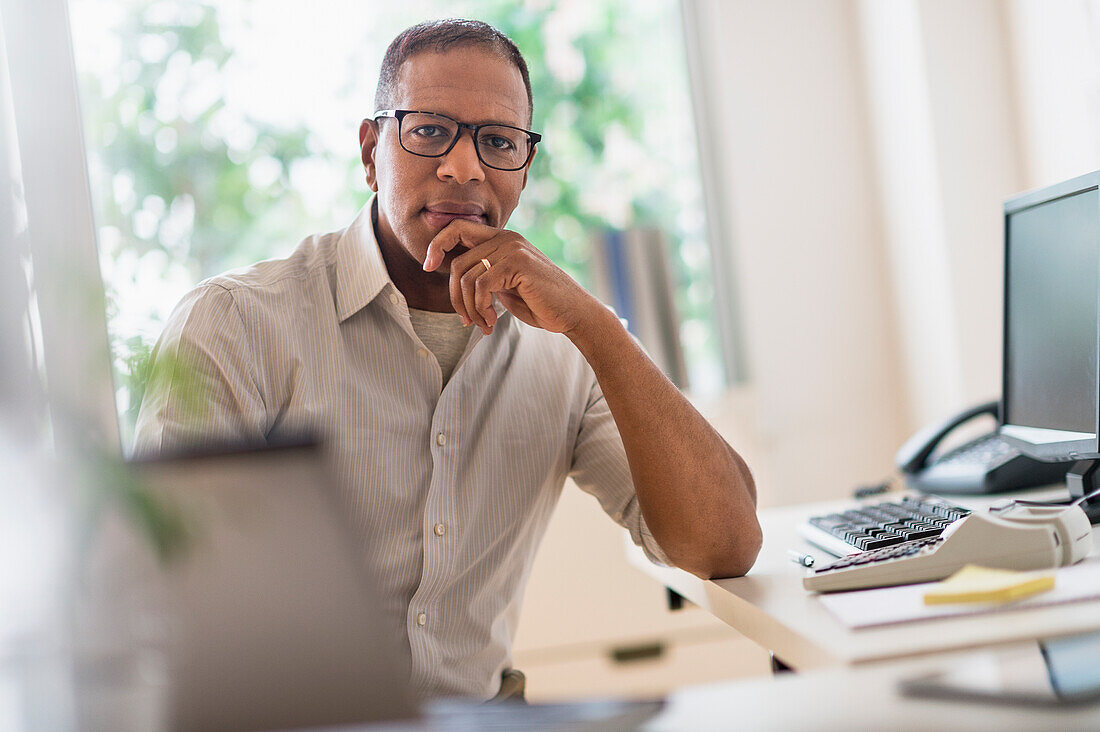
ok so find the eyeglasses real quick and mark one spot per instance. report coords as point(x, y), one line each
point(432, 135)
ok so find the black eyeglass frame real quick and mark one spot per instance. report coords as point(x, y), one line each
point(400, 114)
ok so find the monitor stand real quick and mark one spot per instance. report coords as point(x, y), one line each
point(1082, 480)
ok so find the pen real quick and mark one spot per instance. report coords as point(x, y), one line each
point(799, 558)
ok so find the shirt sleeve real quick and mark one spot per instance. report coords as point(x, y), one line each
point(600, 468)
point(202, 390)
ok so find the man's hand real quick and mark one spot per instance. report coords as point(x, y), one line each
point(695, 492)
point(528, 284)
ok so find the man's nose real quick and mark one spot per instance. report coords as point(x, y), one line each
point(461, 164)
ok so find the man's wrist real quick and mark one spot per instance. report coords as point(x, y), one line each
point(596, 330)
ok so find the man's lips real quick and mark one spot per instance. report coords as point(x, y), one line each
point(441, 214)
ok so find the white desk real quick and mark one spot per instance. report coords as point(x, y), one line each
point(770, 607)
point(861, 699)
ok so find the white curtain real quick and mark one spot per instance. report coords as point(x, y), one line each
point(22, 396)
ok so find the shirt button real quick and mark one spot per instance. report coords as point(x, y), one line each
point(422, 352)
point(395, 299)
point(421, 618)
point(440, 529)
point(441, 439)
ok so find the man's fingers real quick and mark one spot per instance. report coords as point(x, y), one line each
point(485, 285)
point(478, 274)
point(454, 286)
point(465, 269)
point(467, 287)
point(464, 273)
point(478, 284)
point(460, 231)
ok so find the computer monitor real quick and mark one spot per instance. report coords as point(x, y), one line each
point(1050, 403)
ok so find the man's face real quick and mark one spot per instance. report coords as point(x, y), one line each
point(418, 196)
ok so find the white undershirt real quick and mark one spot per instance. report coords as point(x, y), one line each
point(444, 335)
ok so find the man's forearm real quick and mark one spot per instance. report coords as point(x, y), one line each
point(695, 491)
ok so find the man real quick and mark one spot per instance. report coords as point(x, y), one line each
point(454, 441)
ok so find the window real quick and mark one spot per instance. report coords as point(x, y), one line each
point(222, 132)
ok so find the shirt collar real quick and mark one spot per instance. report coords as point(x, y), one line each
point(361, 271)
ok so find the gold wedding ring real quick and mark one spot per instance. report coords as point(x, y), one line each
point(486, 263)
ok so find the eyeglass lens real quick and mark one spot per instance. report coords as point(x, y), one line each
point(499, 146)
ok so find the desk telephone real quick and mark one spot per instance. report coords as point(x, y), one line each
point(987, 464)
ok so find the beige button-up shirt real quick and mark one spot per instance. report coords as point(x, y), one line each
point(451, 488)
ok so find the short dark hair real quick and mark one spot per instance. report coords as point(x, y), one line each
point(438, 36)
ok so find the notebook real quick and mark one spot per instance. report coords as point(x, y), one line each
point(891, 605)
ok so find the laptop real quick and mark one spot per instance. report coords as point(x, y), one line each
point(270, 617)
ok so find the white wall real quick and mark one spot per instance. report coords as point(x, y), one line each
point(1057, 70)
point(868, 147)
point(980, 162)
point(807, 233)
point(947, 143)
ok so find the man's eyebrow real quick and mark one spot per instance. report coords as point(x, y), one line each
point(482, 120)
point(520, 115)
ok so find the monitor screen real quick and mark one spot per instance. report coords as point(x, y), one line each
point(1052, 322)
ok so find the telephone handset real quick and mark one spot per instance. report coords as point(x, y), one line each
point(987, 464)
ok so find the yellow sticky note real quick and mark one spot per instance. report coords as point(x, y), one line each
point(979, 584)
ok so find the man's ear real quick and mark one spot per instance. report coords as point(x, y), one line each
point(368, 144)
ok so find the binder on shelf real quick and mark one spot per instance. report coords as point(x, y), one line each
point(631, 273)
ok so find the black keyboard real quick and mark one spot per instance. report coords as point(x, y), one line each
point(880, 525)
